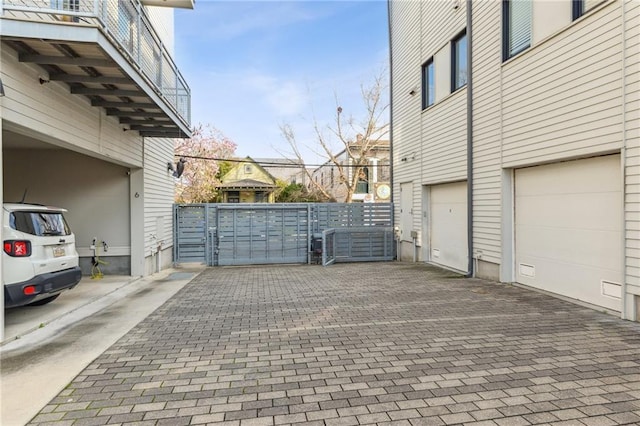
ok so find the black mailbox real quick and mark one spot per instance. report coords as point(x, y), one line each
point(316, 248)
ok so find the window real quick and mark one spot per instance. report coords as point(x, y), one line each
point(39, 223)
point(261, 197)
point(580, 7)
point(517, 26)
point(384, 170)
point(459, 62)
point(233, 197)
point(428, 84)
point(362, 186)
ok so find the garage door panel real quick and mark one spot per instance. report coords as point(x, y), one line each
point(591, 175)
point(448, 225)
point(593, 211)
point(568, 229)
point(587, 282)
point(579, 246)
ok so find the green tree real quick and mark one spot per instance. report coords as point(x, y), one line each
point(297, 193)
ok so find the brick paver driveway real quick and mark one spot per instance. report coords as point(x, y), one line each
point(355, 344)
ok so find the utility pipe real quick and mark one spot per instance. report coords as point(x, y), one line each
point(470, 268)
point(391, 162)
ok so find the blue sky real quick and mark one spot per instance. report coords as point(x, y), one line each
point(254, 65)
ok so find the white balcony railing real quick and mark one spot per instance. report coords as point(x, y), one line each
point(126, 24)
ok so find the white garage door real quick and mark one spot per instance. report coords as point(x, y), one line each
point(568, 219)
point(448, 225)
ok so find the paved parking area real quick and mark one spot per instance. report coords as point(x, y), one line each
point(350, 344)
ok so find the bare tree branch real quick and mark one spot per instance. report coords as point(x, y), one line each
point(357, 138)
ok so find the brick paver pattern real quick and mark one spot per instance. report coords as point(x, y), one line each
point(355, 344)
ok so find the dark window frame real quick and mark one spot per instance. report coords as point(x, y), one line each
point(506, 30)
point(426, 93)
point(455, 75)
point(578, 8)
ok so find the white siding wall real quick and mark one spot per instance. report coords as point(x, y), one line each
point(563, 98)
point(570, 108)
point(487, 99)
point(443, 153)
point(407, 60)
point(158, 182)
point(430, 145)
point(632, 153)
point(50, 113)
point(158, 199)
point(443, 137)
point(573, 99)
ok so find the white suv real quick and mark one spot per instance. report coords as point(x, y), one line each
point(39, 259)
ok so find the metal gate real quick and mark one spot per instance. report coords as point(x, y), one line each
point(262, 234)
point(250, 234)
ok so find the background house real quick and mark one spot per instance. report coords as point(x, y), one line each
point(374, 183)
point(516, 152)
point(92, 101)
point(247, 182)
point(284, 169)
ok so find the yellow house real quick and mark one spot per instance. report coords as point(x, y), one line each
point(248, 182)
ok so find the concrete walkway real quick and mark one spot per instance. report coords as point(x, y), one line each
point(39, 361)
point(21, 321)
point(349, 344)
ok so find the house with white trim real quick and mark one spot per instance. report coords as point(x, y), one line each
point(516, 151)
point(91, 100)
point(373, 183)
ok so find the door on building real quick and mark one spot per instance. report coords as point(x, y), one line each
point(406, 211)
point(568, 229)
point(448, 225)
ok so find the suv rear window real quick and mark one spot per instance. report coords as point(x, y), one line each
point(39, 223)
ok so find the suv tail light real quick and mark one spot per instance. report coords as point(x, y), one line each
point(17, 248)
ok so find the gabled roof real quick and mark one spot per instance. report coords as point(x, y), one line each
point(250, 182)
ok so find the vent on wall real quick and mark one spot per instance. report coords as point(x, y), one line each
point(527, 270)
point(435, 253)
point(611, 289)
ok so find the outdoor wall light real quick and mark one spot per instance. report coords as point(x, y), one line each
point(1, 88)
point(178, 169)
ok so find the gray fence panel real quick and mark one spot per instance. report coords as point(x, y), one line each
point(262, 234)
point(190, 242)
point(339, 215)
point(247, 234)
point(358, 244)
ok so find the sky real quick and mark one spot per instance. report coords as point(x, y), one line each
point(254, 66)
